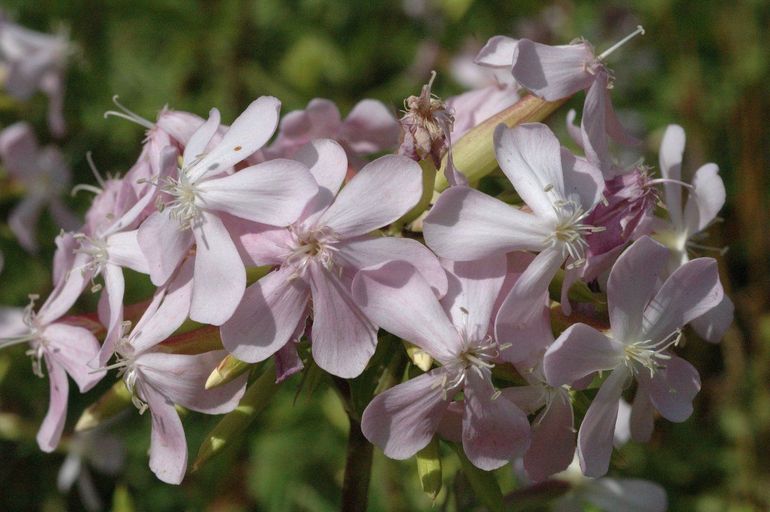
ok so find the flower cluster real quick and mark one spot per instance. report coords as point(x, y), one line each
point(587, 281)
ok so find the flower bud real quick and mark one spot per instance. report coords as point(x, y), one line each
point(425, 126)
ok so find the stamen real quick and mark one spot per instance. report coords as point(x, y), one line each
point(85, 187)
point(128, 115)
point(606, 53)
point(90, 160)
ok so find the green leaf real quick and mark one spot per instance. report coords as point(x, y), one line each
point(234, 423)
point(484, 483)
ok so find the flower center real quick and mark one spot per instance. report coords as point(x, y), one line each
point(182, 207)
point(311, 244)
point(650, 354)
point(570, 230)
point(478, 357)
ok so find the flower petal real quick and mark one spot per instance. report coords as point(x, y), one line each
point(632, 283)
point(673, 388)
point(114, 288)
point(403, 419)
point(497, 52)
point(53, 424)
point(163, 258)
point(328, 165)
point(626, 494)
point(530, 156)
point(712, 325)
point(343, 338)
point(168, 445)
point(580, 351)
point(553, 72)
point(671, 151)
point(266, 318)
point(692, 290)
point(124, 251)
point(553, 439)
point(596, 432)
point(642, 419)
point(249, 132)
point(370, 127)
point(220, 277)
point(273, 192)
point(368, 252)
point(196, 146)
point(495, 431)
point(473, 290)
point(379, 194)
point(397, 298)
point(182, 378)
point(466, 224)
point(706, 199)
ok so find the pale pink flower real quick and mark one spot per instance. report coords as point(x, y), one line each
point(33, 61)
point(317, 257)
point(193, 203)
point(63, 348)
point(560, 190)
point(646, 321)
point(687, 226)
point(45, 176)
point(370, 127)
point(456, 333)
point(159, 380)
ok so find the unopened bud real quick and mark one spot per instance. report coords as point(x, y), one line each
point(226, 371)
point(425, 126)
point(115, 400)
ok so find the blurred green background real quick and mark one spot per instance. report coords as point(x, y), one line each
point(703, 64)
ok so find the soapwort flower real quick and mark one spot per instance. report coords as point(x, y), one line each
point(317, 257)
point(456, 333)
point(646, 320)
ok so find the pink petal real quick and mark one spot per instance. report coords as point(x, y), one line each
point(642, 419)
point(196, 146)
point(343, 338)
point(497, 52)
point(287, 360)
point(596, 432)
point(583, 183)
point(673, 388)
point(220, 277)
point(593, 124)
point(466, 224)
point(53, 424)
point(273, 192)
point(168, 446)
point(523, 318)
point(579, 351)
point(369, 252)
point(321, 118)
point(124, 251)
point(163, 258)
point(553, 439)
point(495, 431)
point(379, 194)
point(114, 287)
point(473, 289)
point(705, 200)
point(712, 325)
point(632, 283)
point(167, 312)
point(66, 292)
point(249, 132)
point(688, 293)
point(23, 220)
point(182, 378)
point(530, 156)
point(71, 348)
point(403, 419)
point(261, 244)
point(397, 298)
point(328, 164)
point(553, 72)
point(671, 151)
point(370, 127)
point(266, 318)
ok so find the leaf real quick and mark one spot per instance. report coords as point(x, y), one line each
point(429, 469)
point(114, 401)
point(484, 483)
point(234, 423)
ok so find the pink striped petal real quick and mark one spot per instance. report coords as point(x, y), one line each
point(497, 52)
point(553, 439)
point(403, 419)
point(266, 318)
point(673, 388)
point(168, 445)
point(553, 72)
point(579, 351)
point(163, 258)
point(53, 424)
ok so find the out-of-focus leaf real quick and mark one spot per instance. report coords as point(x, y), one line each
point(115, 400)
point(484, 483)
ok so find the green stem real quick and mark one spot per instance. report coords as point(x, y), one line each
point(358, 470)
